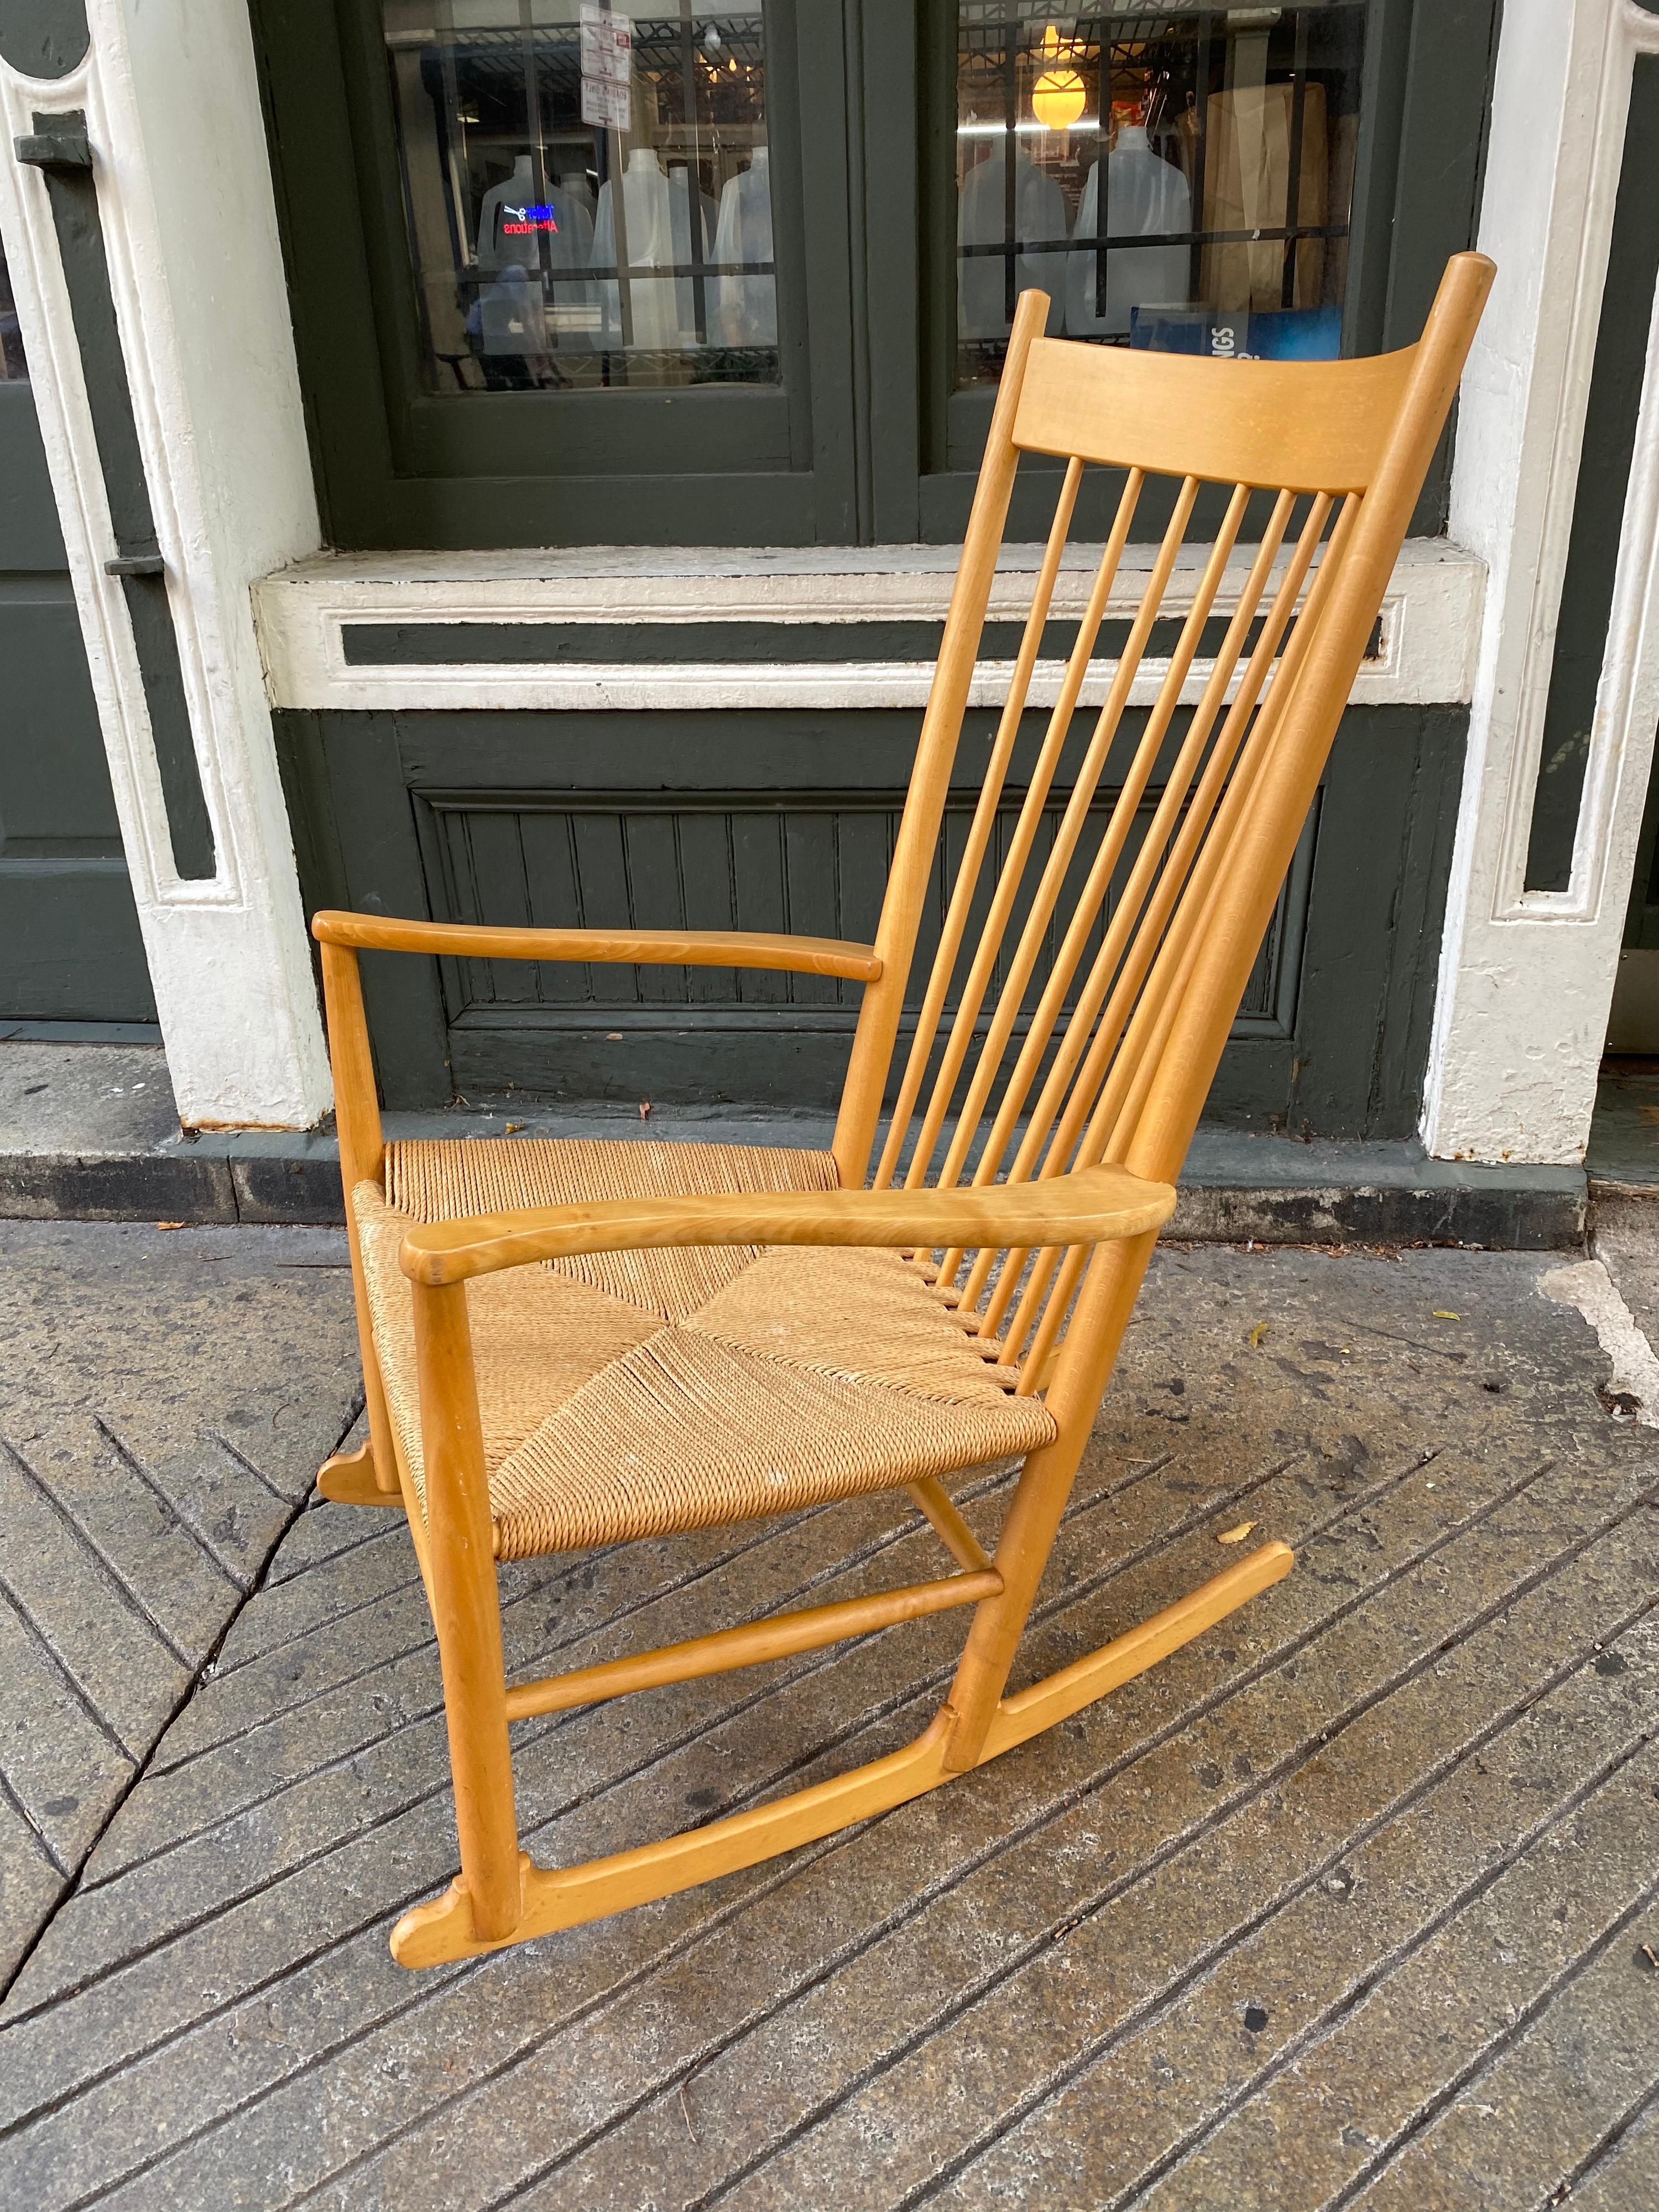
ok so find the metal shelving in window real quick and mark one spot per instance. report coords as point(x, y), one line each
point(1175, 177)
point(551, 252)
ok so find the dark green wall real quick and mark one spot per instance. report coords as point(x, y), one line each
point(784, 821)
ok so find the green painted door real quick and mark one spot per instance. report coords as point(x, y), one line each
point(69, 947)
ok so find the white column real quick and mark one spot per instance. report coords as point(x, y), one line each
point(1526, 977)
point(172, 114)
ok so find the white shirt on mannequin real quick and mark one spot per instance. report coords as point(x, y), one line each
point(1145, 196)
point(745, 308)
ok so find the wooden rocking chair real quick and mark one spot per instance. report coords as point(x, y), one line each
point(569, 1344)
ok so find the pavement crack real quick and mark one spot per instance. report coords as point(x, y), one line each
point(74, 1875)
point(1608, 2147)
point(33, 1826)
point(252, 1467)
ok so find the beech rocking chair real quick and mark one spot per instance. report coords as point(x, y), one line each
point(567, 1344)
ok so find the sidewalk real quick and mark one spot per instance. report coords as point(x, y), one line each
point(89, 1133)
point(1351, 1901)
point(164, 1400)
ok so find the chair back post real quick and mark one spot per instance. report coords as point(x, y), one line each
point(915, 849)
point(1257, 861)
point(1234, 920)
point(362, 1153)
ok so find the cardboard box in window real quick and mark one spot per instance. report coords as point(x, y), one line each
point(1247, 178)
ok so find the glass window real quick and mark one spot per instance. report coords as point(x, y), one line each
point(586, 192)
point(13, 369)
point(1177, 177)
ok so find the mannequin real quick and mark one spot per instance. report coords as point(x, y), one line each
point(1147, 196)
point(496, 251)
point(647, 214)
point(572, 307)
point(745, 312)
point(981, 220)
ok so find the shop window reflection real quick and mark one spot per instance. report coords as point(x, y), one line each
point(1174, 177)
point(587, 193)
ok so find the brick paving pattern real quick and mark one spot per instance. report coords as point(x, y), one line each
point(163, 1401)
point(1354, 1901)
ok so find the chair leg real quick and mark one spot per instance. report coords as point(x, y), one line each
point(485, 1902)
point(353, 1478)
point(367, 1476)
point(998, 1622)
point(1105, 1302)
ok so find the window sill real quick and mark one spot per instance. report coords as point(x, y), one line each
point(635, 598)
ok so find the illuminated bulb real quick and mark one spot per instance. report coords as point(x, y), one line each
point(1058, 98)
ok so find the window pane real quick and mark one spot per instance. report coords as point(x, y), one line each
point(13, 369)
point(518, 121)
point(1175, 177)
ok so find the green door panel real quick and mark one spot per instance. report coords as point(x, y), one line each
point(69, 946)
point(779, 821)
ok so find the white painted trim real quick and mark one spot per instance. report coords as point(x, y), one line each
point(1586, 1285)
point(170, 97)
point(1430, 622)
point(1526, 977)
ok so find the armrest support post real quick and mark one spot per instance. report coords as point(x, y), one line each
point(465, 1609)
point(357, 1120)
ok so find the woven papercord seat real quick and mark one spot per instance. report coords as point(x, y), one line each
point(572, 1344)
point(628, 1394)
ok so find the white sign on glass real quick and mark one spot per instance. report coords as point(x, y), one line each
point(607, 54)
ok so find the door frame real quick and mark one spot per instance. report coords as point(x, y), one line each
point(172, 126)
point(1527, 976)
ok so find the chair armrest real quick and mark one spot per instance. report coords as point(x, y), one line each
point(670, 948)
point(1086, 1208)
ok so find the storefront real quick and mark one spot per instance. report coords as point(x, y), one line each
point(552, 427)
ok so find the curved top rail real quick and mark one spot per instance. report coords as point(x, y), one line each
point(1302, 426)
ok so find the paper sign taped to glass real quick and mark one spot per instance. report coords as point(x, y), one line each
point(607, 60)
